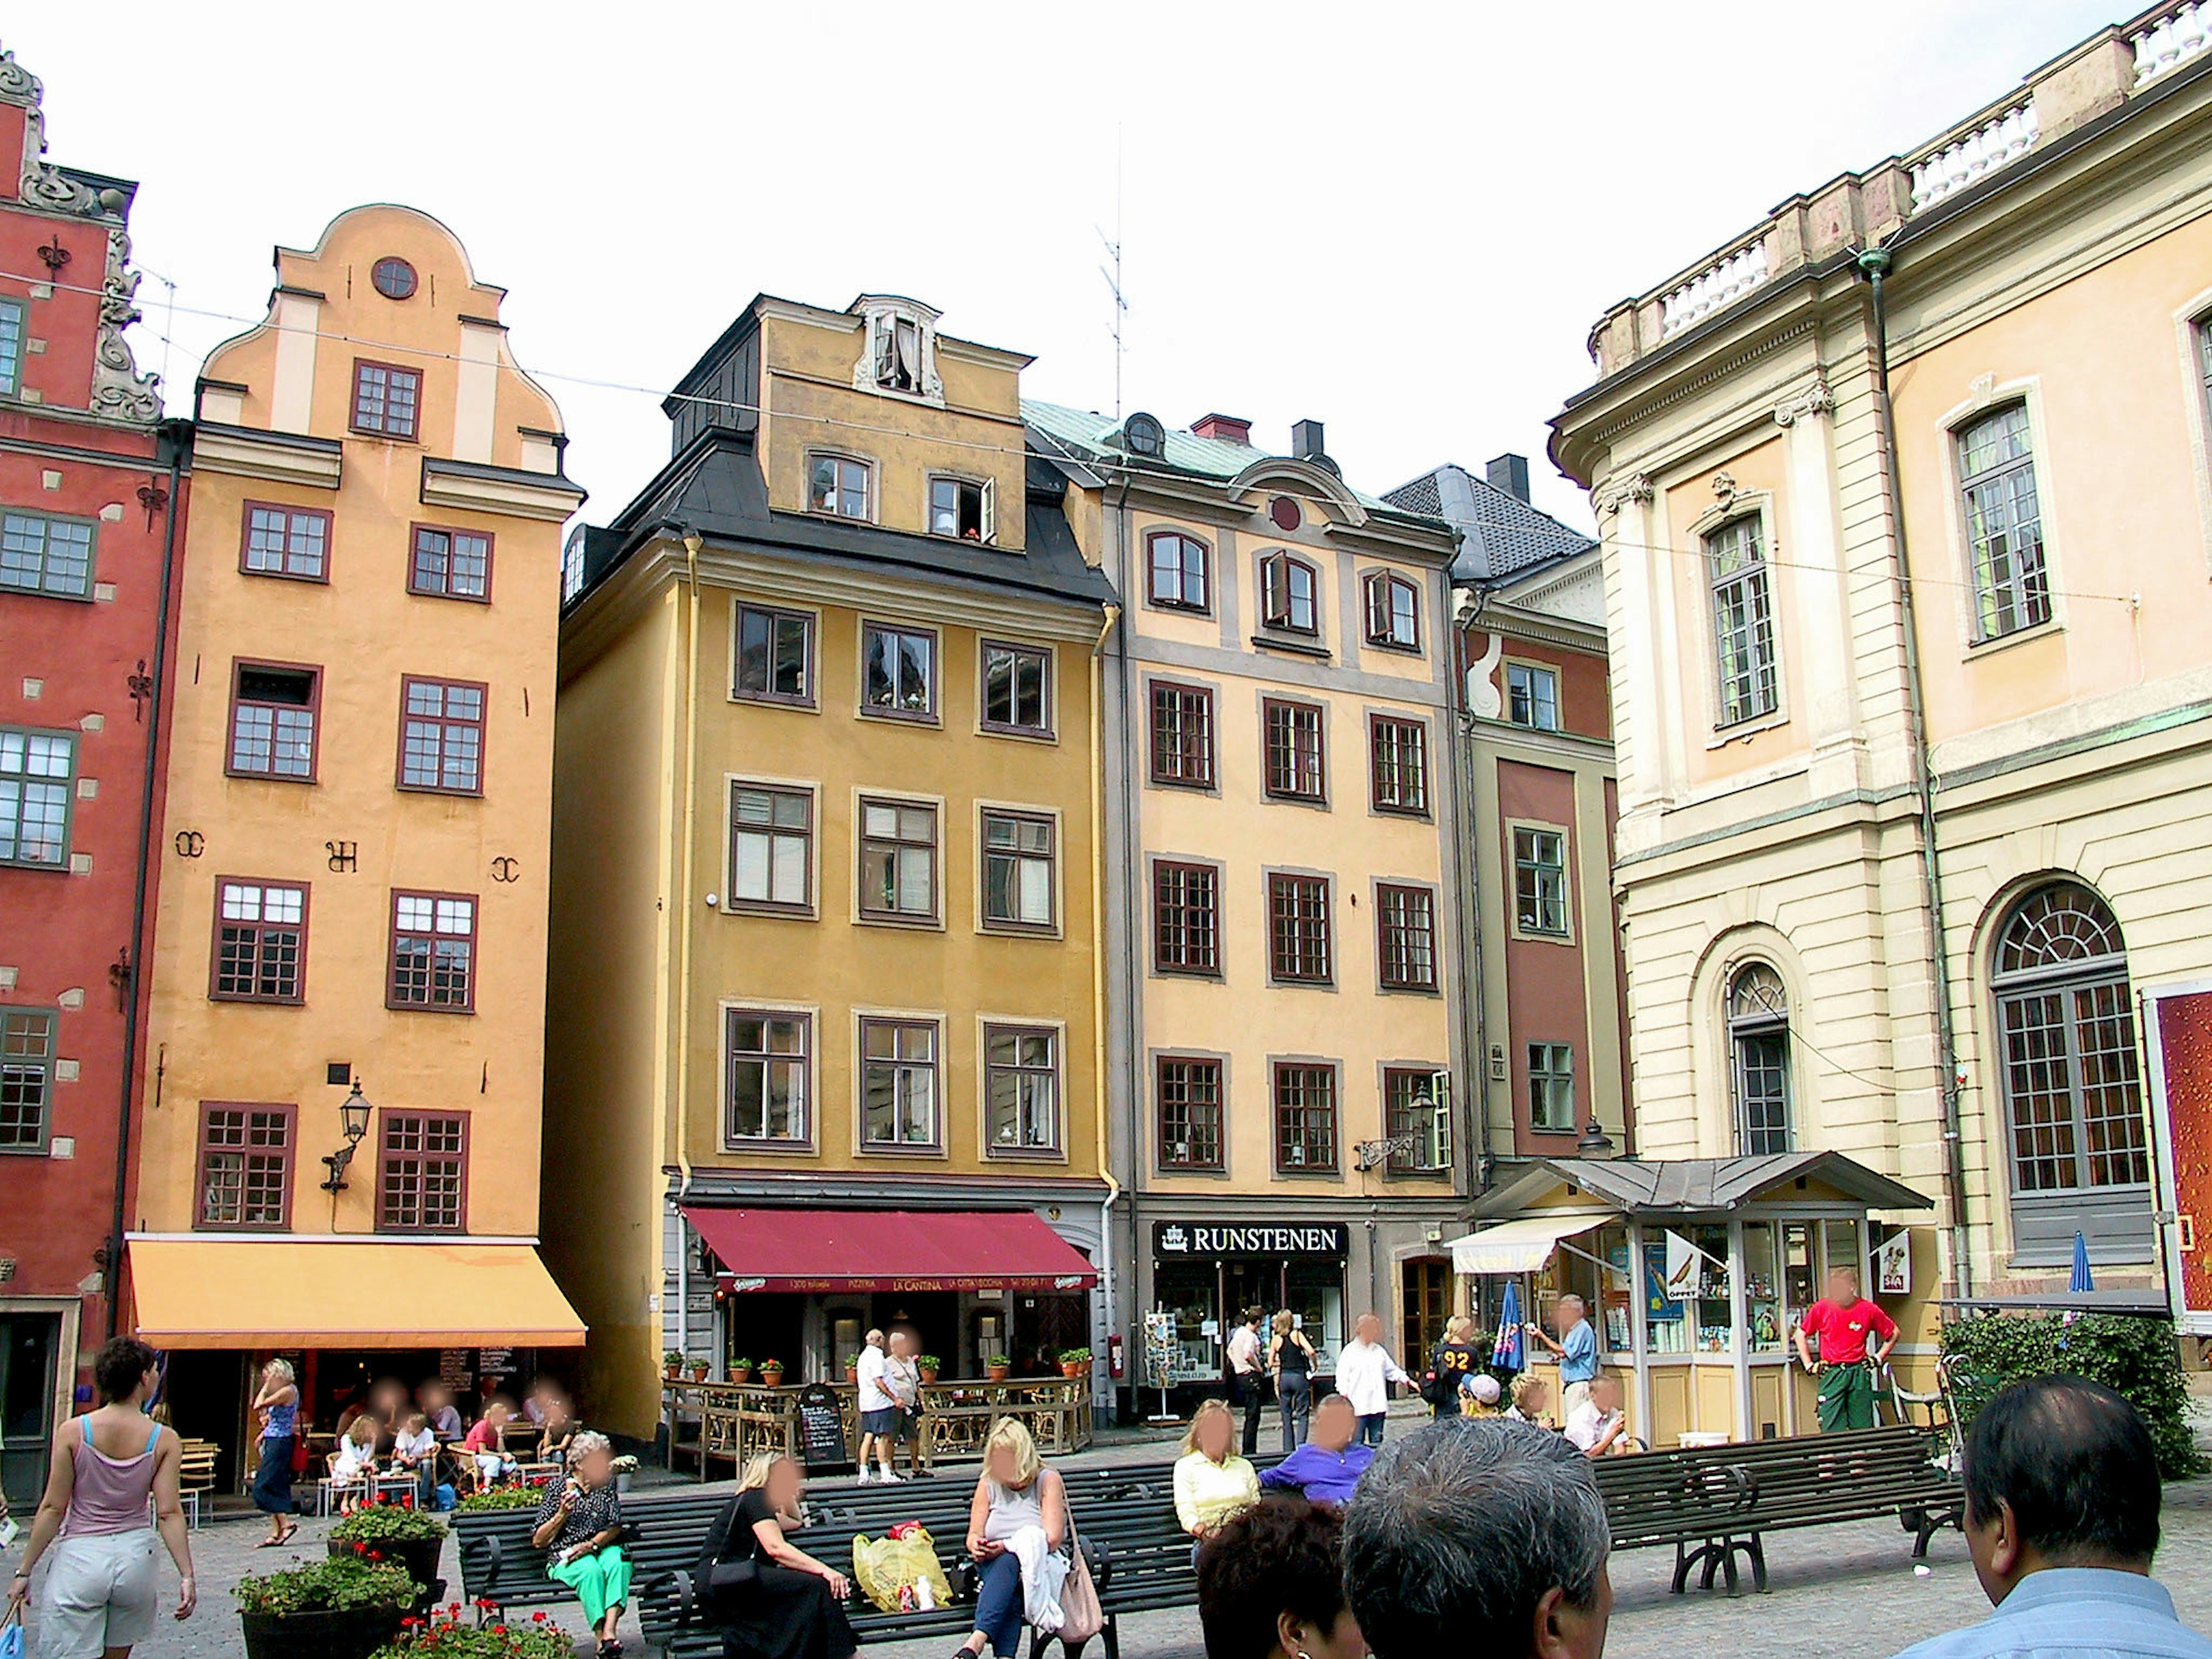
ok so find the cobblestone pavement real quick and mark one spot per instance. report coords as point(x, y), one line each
point(1845, 1592)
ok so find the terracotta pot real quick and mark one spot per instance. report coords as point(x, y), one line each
point(997, 1373)
point(774, 1377)
point(929, 1373)
point(741, 1373)
point(853, 1372)
point(698, 1373)
point(1071, 1368)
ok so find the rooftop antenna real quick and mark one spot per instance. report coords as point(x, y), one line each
point(1113, 274)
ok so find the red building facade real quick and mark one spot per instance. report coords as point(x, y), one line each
point(90, 498)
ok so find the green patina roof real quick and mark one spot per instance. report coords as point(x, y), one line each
point(1087, 432)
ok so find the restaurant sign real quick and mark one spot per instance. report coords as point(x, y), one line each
point(1185, 1238)
point(736, 1284)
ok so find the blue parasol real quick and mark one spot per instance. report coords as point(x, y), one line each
point(2082, 1280)
point(1505, 1355)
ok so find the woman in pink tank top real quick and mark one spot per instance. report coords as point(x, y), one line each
point(111, 1486)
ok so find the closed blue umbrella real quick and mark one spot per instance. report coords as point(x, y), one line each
point(2082, 1280)
point(1506, 1355)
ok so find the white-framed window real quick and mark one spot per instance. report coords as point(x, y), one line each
point(899, 1092)
point(963, 508)
point(41, 553)
point(11, 348)
point(2004, 523)
point(840, 486)
point(1743, 621)
point(1393, 611)
point(1532, 695)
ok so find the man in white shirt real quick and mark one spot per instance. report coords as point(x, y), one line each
point(1594, 1427)
point(880, 1411)
point(1364, 1372)
point(1248, 1376)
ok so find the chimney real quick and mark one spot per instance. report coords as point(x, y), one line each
point(1228, 428)
point(1305, 442)
point(1509, 473)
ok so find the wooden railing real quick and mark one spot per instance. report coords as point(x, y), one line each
point(731, 1422)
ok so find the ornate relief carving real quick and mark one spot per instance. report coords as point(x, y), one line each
point(1814, 400)
point(1610, 497)
point(18, 84)
point(1483, 697)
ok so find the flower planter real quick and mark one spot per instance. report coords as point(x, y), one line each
point(352, 1633)
point(741, 1373)
point(420, 1556)
point(1071, 1368)
point(698, 1373)
point(929, 1373)
point(773, 1378)
point(998, 1373)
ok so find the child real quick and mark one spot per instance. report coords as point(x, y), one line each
point(1530, 1396)
point(415, 1452)
point(1478, 1395)
point(354, 1464)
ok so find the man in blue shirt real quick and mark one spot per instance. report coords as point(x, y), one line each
point(1576, 1346)
point(1328, 1466)
point(2062, 1520)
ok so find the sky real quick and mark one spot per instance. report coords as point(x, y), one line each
point(1402, 221)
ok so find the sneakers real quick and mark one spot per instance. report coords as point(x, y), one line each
point(867, 1474)
point(891, 1480)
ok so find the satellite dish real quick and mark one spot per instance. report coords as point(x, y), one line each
point(1143, 435)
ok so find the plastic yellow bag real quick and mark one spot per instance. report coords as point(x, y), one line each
point(884, 1566)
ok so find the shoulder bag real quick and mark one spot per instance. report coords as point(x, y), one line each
point(1081, 1618)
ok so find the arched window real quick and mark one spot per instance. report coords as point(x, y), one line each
point(1759, 1059)
point(2067, 1045)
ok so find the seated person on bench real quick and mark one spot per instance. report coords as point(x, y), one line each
point(1596, 1428)
point(1018, 1533)
point(769, 1598)
point(1328, 1466)
point(581, 1522)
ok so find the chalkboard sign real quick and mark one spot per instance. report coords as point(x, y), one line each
point(821, 1427)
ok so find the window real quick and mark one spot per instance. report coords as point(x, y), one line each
point(1411, 1106)
point(1017, 872)
point(421, 1179)
point(1289, 594)
point(386, 399)
point(572, 565)
point(2004, 524)
point(776, 655)
point(1393, 611)
point(963, 507)
point(51, 556)
point(1298, 928)
point(1183, 734)
point(898, 860)
point(1743, 622)
point(2066, 1032)
point(1186, 918)
point(11, 348)
point(837, 484)
point(1399, 769)
point(1759, 1059)
point(393, 277)
point(1540, 881)
point(433, 951)
point(27, 1078)
point(1305, 1117)
point(451, 564)
point(770, 1076)
point(1532, 697)
point(771, 847)
point(441, 736)
point(246, 1166)
point(898, 672)
point(1017, 689)
point(260, 942)
point(1178, 571)
point(272, 720)
point(1021, 1090)
point(37, 778)
point(1406, 937)
point(1551, 1087)
point(1295, 768)
point(285, 541)
point(1190, 1113)
point(898, 347)
point(898, 1083)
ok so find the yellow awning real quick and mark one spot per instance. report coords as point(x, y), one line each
point(1524, 1246)
point(346, 1294)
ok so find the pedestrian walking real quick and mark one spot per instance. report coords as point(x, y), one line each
point(1449, 1363)
point(2063, 1497)
point(1364, 1372)
point(902, 1377)
point(1290, 1363)
point(277, 1405)
point(111, 1489)
point(879, 1409)
point(1843, 1320)
point(1576, 1346)
point(1248, 1376)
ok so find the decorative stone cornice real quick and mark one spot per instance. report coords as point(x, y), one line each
point(17, 84)
point(1804, 403)
point(1634, 488)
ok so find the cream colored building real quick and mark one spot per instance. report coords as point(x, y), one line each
point(1834, 625)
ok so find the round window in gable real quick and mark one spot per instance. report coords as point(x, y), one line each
point(1285, 511)
point(394, 279)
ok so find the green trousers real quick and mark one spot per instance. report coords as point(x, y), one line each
point(601, 1579)
point(1846, 1397)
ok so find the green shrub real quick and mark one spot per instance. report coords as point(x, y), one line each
point(387, 1524)
point(2138, 1359)
point(337, 1583)
point(503, 1497)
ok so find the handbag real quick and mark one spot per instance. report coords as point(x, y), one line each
point(11, 1636)
point(722, 1577)
point(1081, 1618)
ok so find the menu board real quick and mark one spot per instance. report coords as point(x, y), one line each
point(453, 1370)
point(821, 1427)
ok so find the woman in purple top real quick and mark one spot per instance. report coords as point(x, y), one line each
point(1328, 1466)
point(111, 1484)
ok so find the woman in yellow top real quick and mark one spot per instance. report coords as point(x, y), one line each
point(1212, 1482)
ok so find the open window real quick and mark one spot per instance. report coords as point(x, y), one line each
point(1290, 590)
point(964, 508)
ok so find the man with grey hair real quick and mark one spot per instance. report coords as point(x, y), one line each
point(1576, 1347)
point(1481, 1536)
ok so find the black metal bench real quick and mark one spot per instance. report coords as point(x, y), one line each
point(1713, 1503)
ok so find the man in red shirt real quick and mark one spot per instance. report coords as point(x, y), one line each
point(1844, 1320)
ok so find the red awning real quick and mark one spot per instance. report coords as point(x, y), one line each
point(889, 1250)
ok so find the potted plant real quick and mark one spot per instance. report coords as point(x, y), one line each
point(772, 1372)
point(341, 1607)
point(698, 1371)
point(443, 1636)
point(853, 1369)
point(395, 1532)
point(741, 1371)
point(1073, 1362)
point(929, 1364)
point(672, 1363)
point(998, 1368)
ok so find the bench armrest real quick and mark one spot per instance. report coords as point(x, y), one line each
point(488, 1550)
point(1099, 1557)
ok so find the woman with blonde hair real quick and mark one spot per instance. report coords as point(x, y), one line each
point(353, 1465)
point(277, 1405)
point(1018, 1532)
point(1212, 1481)
point(1453, 1361)
point(1290, 1359)
point(770, 1599)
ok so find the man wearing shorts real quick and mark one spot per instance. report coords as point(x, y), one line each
point(881, 1414)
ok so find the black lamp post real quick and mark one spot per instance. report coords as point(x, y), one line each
point(1595, 1142)
point(354, 1110)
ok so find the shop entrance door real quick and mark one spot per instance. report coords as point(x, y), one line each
point(29, 1350)
point(1424, 1303)
point(1248, 1282)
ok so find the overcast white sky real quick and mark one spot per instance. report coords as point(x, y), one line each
point(1400, 220)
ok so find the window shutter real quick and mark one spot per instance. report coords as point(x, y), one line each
point(990, 512)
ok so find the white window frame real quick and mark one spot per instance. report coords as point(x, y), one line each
point(842, 457)
point(987, 511)
point(1535, 672)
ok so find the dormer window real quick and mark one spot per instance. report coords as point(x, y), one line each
point(838, 484)
point(964, 508)
point(1289, 592)
point(900, 354)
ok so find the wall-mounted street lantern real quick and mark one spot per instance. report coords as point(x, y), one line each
point(354, 1111)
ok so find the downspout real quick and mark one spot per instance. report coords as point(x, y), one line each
point(681, 920)
point(1099, 973)
point(178, 436)
point(1470, 919)
point(1131, 872)
point(1873, 264)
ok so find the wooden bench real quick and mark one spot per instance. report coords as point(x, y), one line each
point(196, 1476)
point(1714, 1503)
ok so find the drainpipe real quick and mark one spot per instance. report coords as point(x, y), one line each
point(1873, 264)
point(681, 918)
point(1098, 974)
point(1132, 862)
point(1470, 919)
point(178, 436)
